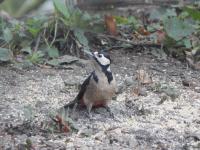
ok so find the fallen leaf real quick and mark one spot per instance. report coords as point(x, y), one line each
point(110, 23)
point(161, 35)
point(190, 59)
point(66, 128)
point(143, 31)
point(167, 90)
point(5, 16)
point(5, 55)
point(144, 77)
point(63, 126)
point(139, 91)
point(136, 92)
point(65, 59)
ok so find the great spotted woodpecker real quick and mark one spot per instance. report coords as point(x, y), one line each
point(100, 86)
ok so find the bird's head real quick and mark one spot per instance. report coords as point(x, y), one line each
point(102, 60)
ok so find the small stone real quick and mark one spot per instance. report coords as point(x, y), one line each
point(21, 147)
point(120, 88)
point(129, 81)
point(197, 89)
point(163, 98)
point(185, 83)
point(143, 92)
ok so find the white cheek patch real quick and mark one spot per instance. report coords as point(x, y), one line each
point(103, 60)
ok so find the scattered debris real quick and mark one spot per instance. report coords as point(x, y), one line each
point(143, 77)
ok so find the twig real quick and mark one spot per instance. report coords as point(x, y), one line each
point(55, 33)
point(66, 36)
point(37, 43)
point(45, 40)
point(130, 42)
point(120, 3)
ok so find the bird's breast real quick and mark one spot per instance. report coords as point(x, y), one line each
point(101, 89)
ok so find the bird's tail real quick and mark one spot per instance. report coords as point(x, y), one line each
point(71, 104)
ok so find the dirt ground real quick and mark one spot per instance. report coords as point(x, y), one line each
point(165, 115)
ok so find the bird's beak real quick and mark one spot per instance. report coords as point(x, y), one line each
point(88, 54)
point(92, 56)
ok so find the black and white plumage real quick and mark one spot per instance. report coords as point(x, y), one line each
point(100, 86)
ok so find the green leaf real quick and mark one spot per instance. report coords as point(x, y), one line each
point(162, 13)
point(5, 55)
point(53, 62)
point(36, 57)
point(194, 13)
point(177, 28)
point(156, 14)
point(7, 34)
point(53, 52)
point(79, 34)
point(121, 20)
point(183, 15)
point(86, 17)
point(33, 31)
point(187, 43)
point(133, 22)
point(170, 13)
point(34, 25)
point(61, 8)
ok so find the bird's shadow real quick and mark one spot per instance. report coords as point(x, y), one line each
point(102, 113)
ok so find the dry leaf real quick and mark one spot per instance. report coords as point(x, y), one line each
point(143, 77)
point(143, 31)
point(138, 36)
point(63, 126)
point(136, 92)
point(110, 23)
point(66, 128)
point(161, 35)
point(139, 91)
point(191, 62)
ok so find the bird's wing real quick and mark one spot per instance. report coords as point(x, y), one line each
point(78, 98)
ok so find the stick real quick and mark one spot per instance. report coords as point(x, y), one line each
point(130, 42)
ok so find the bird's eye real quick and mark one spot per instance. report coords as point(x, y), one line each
point(99, 55)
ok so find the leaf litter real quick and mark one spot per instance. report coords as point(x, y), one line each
point(37, 93)
point(154, 112)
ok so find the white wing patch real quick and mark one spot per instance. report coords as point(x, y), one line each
point(108, 69)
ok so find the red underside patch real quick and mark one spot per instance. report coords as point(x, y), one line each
point(95, 105)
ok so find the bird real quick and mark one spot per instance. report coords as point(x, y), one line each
point(99, 87)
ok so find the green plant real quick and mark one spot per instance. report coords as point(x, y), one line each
point(131, 21)
point(5, 55)
point(44, 38)
point(35, 57)
point(177, 28)
point(74, 17)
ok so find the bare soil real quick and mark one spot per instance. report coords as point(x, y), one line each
point(165, 115)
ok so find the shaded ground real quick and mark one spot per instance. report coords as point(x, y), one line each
point(160, 119)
